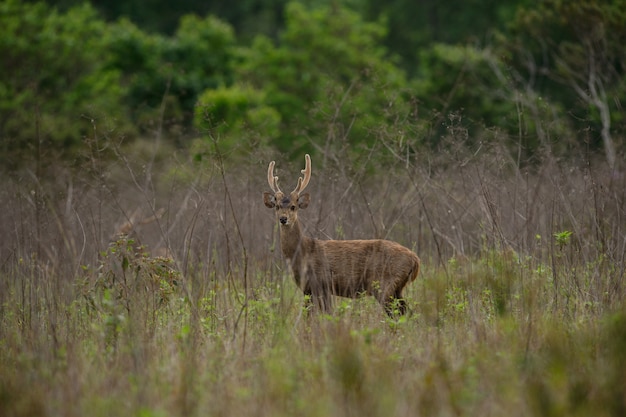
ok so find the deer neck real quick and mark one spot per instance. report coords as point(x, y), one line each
point(292, 241)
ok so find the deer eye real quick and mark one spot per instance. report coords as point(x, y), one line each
point(293, 208)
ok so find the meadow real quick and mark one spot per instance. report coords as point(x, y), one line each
point(518, 311)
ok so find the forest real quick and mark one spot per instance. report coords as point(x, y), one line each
point(312, 76)
point(141, 273)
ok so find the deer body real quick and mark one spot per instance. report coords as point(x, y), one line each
point(347, 268)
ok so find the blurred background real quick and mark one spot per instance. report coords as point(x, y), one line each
point(444, 125)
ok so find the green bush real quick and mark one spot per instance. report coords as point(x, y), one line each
point(164, 76)
point(55, 81)
point(337, 90)
point(238, 117)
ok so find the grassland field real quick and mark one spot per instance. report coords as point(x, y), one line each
point(519, 309)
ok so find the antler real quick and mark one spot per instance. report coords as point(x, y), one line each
point(271, 179)
point(303, 182)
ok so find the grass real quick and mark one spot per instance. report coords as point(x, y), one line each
point(518, 311)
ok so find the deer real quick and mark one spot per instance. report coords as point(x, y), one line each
point(347, 268)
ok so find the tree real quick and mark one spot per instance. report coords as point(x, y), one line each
point(460, 80)
point(67, 76)
point(163, 76)
point(232, 113)
point(579, 45)
point(327, 78)
point(415, 25)
point(247, 17)
point(55, 82)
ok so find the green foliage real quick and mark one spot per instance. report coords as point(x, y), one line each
point(415, 26)
point(615, 350)
point(137, 56)
point(129, 285)
point(463, 80)
point(470, 90)
point(562, 238)
point(164, 76)
point(549, 362)
point(320, 76)
point(412, 26)
point(231, 114)
point(54, 79)
point(572, 52)
point(69, 75)
point(335, 91)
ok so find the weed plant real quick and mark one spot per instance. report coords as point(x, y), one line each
point(519, 309)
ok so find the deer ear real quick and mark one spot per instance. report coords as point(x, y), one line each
point(304, 200)
point(269, 199)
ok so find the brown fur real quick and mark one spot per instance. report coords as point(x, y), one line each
point(346, 268)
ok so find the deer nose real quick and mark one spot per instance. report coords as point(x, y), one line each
point(283, 219)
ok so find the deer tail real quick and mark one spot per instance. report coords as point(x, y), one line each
point(415, 269)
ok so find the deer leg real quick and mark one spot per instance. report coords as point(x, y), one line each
point(320, 291)
point(395, 305)
point(321, 302)
point(316, 300)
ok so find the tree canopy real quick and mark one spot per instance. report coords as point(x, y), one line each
point(314, 76)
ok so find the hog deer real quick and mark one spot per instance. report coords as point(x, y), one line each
point(347, 268)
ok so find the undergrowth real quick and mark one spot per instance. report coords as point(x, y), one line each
point(486, 335)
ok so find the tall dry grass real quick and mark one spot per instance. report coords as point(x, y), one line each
point(519, 309)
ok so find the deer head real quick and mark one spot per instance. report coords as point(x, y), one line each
point(287, 205)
